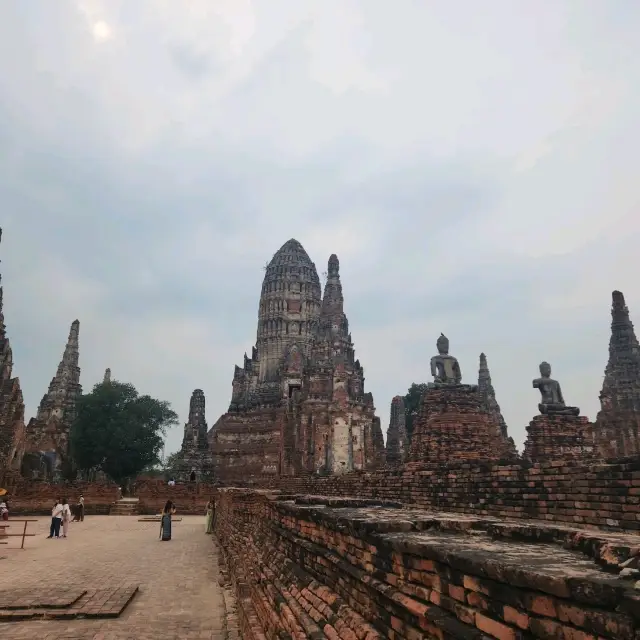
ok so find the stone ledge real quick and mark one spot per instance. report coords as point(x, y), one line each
point(318, 567)
point(109, 602)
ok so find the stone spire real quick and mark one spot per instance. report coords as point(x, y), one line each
point(107, 376)
point(195, 431)
point(397, 441)
point(621, 386)
point(64, 390)
point(6, 355)
point(617, 425)
point(333, 321)
point(194, 456)
point(485, 387)
point(11, 404)
point(48, 432)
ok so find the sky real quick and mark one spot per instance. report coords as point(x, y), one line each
point(473, 165)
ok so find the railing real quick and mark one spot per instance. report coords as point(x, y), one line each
point(23, 535)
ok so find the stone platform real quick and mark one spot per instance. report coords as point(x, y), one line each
point(453, 424)
point(559, 436)
point(65, 604)
point(314, 567)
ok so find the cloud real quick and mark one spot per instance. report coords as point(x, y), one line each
point(473, 169)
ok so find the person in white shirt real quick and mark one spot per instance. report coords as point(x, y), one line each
point(56, 519)
point(66, 517)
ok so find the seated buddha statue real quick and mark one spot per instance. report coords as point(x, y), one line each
point(552, 399)
point(445, 368)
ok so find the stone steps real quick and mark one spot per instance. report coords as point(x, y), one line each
point(125, 507)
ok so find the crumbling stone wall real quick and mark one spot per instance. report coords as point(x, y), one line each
point(189, 498)
point(576, 492)
point(37, 497)
point(312, 567)
point(248, 444)
point(560, 436)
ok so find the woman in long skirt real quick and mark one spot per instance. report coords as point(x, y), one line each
point(165, 521)
point(209, 521)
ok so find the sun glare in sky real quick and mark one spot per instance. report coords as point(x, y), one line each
point(101, 31)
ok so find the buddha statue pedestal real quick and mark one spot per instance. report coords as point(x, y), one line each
point(554, 436)
point(452, 424)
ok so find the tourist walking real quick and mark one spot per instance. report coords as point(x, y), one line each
point(66, 517)
point(209, 521)
point(81, 509)
point(56, 519)
point(165, 521)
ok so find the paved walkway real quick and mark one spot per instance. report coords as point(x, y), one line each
point(179, 596)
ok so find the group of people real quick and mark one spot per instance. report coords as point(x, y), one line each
point(61, 516)
point(170, 509)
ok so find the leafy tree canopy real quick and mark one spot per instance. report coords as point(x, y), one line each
point(172, 465)
point(118, 431)
point(412, 404)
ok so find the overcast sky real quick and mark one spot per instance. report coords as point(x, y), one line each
point(474, 165)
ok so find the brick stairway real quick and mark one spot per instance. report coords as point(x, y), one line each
point(125, 507)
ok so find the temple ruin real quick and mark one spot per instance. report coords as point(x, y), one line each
point(454, 421)
point(194, 458)
point(12, 427)
point(298, 404)
point(397, 441)
point(47, 452)
point(617, 425)
point(324, 534)
point(485, 387)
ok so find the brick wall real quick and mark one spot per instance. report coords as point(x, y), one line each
point(36, 497)
point(601, 495)
point(188, 498)
point(350, 569)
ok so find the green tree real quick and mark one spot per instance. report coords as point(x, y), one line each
point(172, 465)
point(118, 431)
point(412, 405)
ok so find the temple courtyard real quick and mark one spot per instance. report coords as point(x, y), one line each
point(115, 567)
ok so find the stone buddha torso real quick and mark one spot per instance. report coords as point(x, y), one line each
point(445, 369)
point(552, 400)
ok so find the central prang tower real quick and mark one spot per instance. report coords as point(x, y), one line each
point(298, 404)
point(288, 313)
point(289, 308)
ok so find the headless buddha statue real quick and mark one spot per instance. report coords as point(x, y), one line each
point(552, 399)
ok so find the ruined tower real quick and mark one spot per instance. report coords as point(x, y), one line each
point(12, 429)
point(107, 376)
point(48, 432)
point(485, 387)
point(194, 455)
point(298, 404)
point(195, 430)
point(337, 426)
point(287, 316)
point(397, 440)
point(618, 422)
